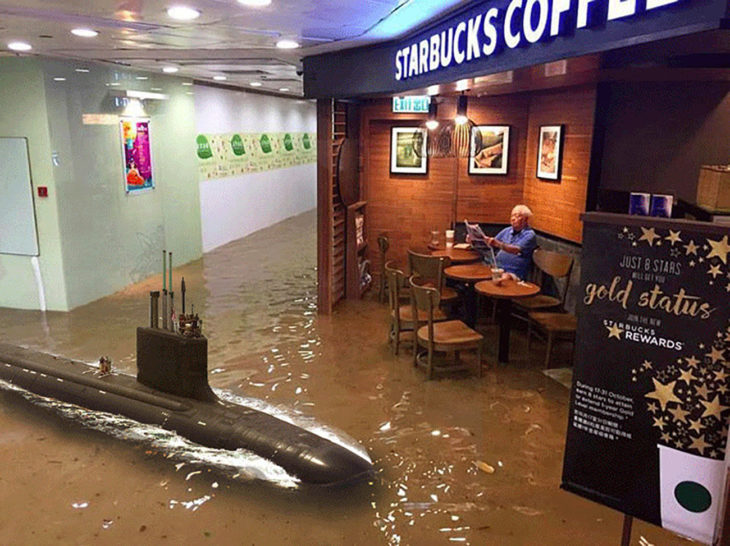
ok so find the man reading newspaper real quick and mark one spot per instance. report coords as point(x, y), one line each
point(515, 244)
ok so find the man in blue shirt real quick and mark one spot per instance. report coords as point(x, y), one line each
point(515, 243)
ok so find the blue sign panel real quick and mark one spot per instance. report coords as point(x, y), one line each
point(497, 35)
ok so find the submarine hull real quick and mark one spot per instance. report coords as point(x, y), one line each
point(211, 422)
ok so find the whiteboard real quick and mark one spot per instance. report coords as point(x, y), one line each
point(18, 234)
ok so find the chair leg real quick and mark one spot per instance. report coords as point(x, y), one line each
point(415, 349)
point(396, 341)
point(430, 362)
point(479, 359)
point(549, 349)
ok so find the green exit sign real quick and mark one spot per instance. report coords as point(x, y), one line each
point(417, 104)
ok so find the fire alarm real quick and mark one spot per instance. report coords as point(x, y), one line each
point(42, 191)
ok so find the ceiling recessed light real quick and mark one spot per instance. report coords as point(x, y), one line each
point(170, 69)
point(155, 88)
point(84, 32)
point(59, 79)
point(287, 44)
point(142, 78)
point(283, 89)
point(82, 70)
point(183, 13)
point(19, 46)
point(187, 83)
point(114, 84)
point(219, 78)
point(255, 3)
point(256, 84)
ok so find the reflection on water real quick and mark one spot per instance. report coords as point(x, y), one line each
point(459, 459)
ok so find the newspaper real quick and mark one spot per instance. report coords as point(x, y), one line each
point(474, 231)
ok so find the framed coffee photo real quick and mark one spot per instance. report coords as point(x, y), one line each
point(549, 152)
point(408, 150)
point(489, 153)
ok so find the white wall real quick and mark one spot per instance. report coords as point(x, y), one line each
point(233, 207)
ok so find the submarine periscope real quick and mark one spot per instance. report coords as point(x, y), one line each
point(171, 391)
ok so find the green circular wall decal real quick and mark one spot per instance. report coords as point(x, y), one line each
point(204, 151)
point(693, 496)
point(237, 145)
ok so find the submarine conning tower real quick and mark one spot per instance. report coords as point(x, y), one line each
point(173, 358)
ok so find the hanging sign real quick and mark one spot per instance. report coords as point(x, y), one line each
point(648, 425)
point(137, 156)
point(416, 104)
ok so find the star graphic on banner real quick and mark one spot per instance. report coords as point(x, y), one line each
point(722, 388)
point(634, 244)
point(614, 331)
point(702, 390)
point(626, 230)
point(701, 260)
point(666, 438)
point(719, 248)
point(677, 443)
point(649, 235)
point(699, 444)
point(691, 263)
point(695, 425)
point(727, 287)
point(653, 408)
point(713, 408)
point(673, 237)
point(720, 375)
point(675, 252)
point(691, 248)
point(663, 393)
point(715, 355)
point(646, 365)
point(679, 414)
point(659, 422)
point(686, 376)
point(692, 362)
point(714, 270)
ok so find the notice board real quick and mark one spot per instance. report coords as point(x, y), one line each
point(18, 234)
point(648, 422)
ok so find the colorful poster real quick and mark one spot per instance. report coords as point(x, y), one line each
point(233, 154)
point(648, 425)
point(137, 156)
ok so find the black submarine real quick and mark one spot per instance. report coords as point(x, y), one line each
point(172, 391)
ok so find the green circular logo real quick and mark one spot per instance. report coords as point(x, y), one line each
point(693, 496)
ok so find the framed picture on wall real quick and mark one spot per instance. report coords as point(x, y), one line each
point(408, 150)
point(136, 155)
point(489, 153)
point(549, 152)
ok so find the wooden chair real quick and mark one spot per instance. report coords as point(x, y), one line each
point(383, 246)
point(450, 336)
point(431, 269)
point(555, 326)
point(553, 265)
point(401, 315)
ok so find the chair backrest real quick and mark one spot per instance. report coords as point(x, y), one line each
point(395, 280)
point(424, 298)
point(430, 268)
point(555, 264)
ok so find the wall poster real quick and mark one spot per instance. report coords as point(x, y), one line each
point(648, 424)
point(136, 155)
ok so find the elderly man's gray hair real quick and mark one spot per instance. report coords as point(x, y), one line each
point(524, 210)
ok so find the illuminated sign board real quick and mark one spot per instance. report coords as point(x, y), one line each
point(519, 23)
point(417, 104)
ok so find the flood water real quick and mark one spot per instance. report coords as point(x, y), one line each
point(459, 459)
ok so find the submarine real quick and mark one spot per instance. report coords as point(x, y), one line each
point(171, 391)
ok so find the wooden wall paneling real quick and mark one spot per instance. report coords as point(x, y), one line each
point(490, 198)
point(557, 205)
point(324, 206)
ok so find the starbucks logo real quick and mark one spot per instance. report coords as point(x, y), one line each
point(693, 497)
point(204, 151)
point(305, 142)
point(265, 144)
point(288, 144)
point(237, 145)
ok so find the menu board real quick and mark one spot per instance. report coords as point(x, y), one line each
point(137, 155)
point(648, 425)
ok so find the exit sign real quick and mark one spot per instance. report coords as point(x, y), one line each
point(417, 104)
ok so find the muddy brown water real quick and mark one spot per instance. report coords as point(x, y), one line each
point(61, 482)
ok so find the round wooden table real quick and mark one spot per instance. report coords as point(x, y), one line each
point(457, 255)
point(468, 274)
point(505, 291)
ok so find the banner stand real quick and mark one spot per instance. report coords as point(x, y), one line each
point(626, 538)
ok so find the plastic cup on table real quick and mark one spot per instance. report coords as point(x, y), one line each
point(449, 238)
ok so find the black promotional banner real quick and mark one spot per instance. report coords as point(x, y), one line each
point(648, 425)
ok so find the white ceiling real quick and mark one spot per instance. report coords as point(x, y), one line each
point(228, 39)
